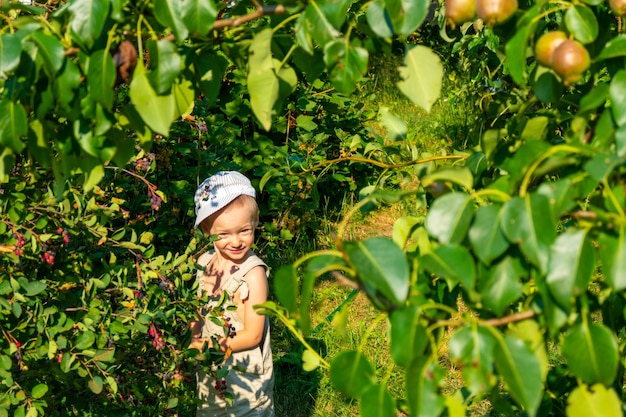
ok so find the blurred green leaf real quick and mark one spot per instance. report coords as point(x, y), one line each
point(593, 401)
point(39, 391)
point(89, 17)
point(613, 256)
point(13, 125)
point(199, 15)
point(101, 78)
point(521, 371)
point(376, 401)
point(572, 263)
point(381, 266)
point(617, 92)
point(473, 348)
point(525, 223)
point(95, 384)
point(10, 50)
point(452, 262)
point(582, 23)
point(421, 76)
point(51, 51)
point(422, 378)
point(456, 175)
point(169, 13)
point(408, 335)
point(615, 47)
point(591, 352)
point(351, 373)
point(347, 64)
point(450, 217)
point(502, 285)
point(486, 236)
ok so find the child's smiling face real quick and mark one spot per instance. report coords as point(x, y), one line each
point(234, 228)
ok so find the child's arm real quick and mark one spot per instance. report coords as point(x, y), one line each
point(196, 333)
point(254, 323)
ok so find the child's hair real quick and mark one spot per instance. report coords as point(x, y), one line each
point(244, 201)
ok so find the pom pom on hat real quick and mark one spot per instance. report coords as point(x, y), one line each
point(218, 190)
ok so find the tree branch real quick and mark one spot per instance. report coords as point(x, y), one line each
point(258, 13)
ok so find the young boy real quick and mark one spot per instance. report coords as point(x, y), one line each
point(226, 208)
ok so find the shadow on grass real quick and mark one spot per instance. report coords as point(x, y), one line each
point(295, 390)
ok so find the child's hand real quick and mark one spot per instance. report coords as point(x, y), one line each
point(197, 343)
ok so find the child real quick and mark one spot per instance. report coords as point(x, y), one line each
point(226, 208)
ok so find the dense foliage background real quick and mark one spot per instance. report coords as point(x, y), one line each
point(512, 264)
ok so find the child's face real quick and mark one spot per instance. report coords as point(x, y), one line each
point(234, 228)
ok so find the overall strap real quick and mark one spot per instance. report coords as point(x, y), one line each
point(236, 279)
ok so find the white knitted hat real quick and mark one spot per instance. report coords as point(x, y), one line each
point(218, 190)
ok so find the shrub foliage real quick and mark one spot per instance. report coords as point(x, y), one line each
point(111, 111)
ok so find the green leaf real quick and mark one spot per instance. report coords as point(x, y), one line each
point(347, 64)
point(502, 286)
point(378, 19)
point(395, 126)
point(335, 10)
point(209, 70)
point(591, 352)
point(381, 266)
point(404, 228)
point(452, 262)
point(376, 401)
point(521, 371)
point(486, 236)
point(39, 391)
point(422, 75)
point(267, 87)
point(85, 340)
point(169, 13)
point(10, 50)
point(472, 348)
point(423, 397)
point(184, 96)
point(535, 128)
point(351, 373)
point(515, 50)
point(51, 51)
point(396, 17)
point(155, 110)
point(601, 165)
point(408, 335)
point(165, 65)
point(13, 125)
point(456, 175)
point(450, 217)
point(286, 287)
point(525, 223)
point(593, 401)
point(316, 25)
point(617, 92)
point(199, 15)
point(582, 23)
point(34, 287)
point(95, 384)
point(612, 252)
point(65, 83)
point(101, 78)
point(614, 48)
point(595, 98)
point(560, 196)
point(572, 262)
point(310, 361)
point(89, 18)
